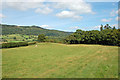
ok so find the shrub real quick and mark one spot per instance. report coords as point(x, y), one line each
point(41, 38)
point(31, 43)
point(104, 37)
point(14, 44)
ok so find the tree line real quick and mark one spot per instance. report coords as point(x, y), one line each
point(106, 36)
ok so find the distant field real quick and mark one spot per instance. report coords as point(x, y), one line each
point(18, 38)
point(60, 61)
point(28, 38)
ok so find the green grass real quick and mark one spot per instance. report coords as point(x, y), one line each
point(16, 41)
point(52, 60)
point(10, 38)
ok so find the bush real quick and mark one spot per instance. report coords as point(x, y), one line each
point(14, 44)
point(41, 38)
point(31, 43)
point(104, 37)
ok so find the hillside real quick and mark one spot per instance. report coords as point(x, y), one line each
point(31, 30)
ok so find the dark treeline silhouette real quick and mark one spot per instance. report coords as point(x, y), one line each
point(106, 36)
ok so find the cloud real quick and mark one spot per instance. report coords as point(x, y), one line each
point(116, 25)
point(23, 6)
point(113, 4)
point(23, 1)
point(46, 26)
point(113, 13)
point(106, 20)
point(74, 27)
point(118, 11)
point(79, 7)
point(97, 27)
point(68, 14)
point(117, 18)
point(74, 8)
point(45, 10)
point(2, 16)
point(60, 0)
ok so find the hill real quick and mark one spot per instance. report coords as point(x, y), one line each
point(31, 30)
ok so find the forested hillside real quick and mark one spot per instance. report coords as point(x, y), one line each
point(31, 30)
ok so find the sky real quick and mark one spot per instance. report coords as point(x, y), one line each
point(64, 16)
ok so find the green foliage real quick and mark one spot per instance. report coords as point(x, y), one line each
point(31, 30)
point(108, 36)
point(4, 40)
point(54, 39)
point(114, 28)
point(30, 33)
point(18, 38)
point(41, 38)
point(14, 44)
point(14, 38)
point(31, 43)
point(101, 28)
point(107, 26)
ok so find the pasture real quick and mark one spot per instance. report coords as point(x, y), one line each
point(53, 60)
point(18, 38)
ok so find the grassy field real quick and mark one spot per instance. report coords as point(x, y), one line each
point(18, 37)
point(28, 38)
point(60, 61)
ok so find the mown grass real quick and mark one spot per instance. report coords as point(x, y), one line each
point(51, 60)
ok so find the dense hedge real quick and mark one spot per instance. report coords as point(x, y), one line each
point(16, 44)
point(104, 37)
point(31, 43)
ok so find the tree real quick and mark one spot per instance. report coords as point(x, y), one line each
point(108, 36)
point(101, 28)
point(114, 28)
point(41, 38)
point(14, 38)
point(105, 27)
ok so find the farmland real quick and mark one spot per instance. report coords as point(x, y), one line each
point(59, 39)
point(18, 38)
point(54, 60)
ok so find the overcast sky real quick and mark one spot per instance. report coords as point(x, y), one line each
point(65, 16)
